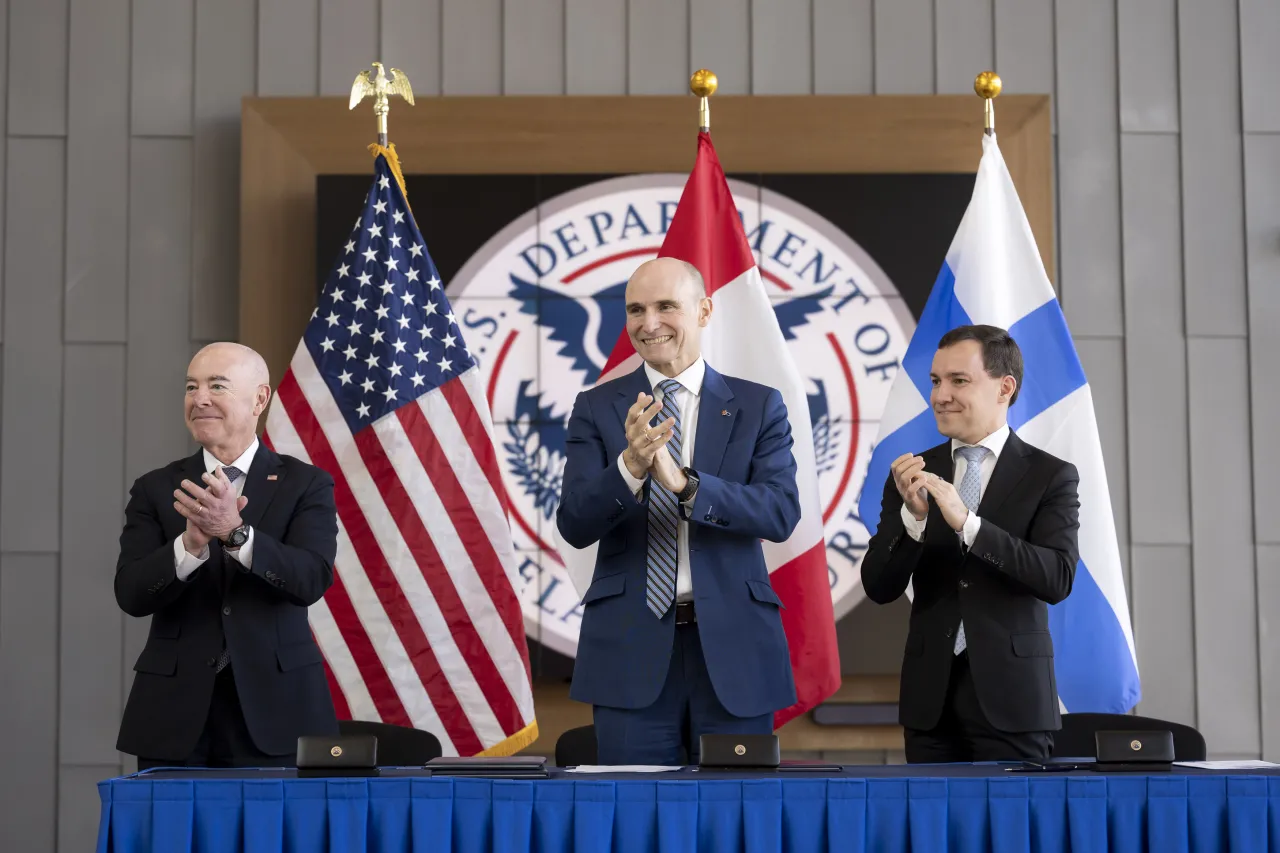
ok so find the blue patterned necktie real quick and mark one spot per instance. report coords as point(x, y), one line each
point(233, 473)
point(664, 516)
point(971, 493)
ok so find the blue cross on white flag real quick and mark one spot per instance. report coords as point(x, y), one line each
point(993, 275)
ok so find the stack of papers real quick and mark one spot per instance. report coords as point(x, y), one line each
point(1245, 764)
point(621, 768)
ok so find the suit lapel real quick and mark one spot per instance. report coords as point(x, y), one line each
point(264, 478)
point(1011, 467)
point(629, 388)
point(716, 414)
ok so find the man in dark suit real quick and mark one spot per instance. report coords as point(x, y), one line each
point(984, 528)
point(681, 632)
point(225, 550)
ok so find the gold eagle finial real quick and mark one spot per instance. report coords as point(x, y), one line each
point(381, 87)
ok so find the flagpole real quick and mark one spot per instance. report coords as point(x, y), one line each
point(988, 86)
point(703, 83)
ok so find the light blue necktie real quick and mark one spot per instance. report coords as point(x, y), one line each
point(971, 493)
point(664, 515)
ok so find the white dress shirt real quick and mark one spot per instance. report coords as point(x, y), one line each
point(185, 563)
point(994, 443)
point(688, 397)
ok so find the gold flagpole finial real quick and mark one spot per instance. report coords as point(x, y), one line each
point(703, 83)
point(381, 88)
point(988, 86)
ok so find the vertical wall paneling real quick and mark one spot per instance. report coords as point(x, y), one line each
point(471, 47)
point(289, 47)
point(348, 43)
point(1262, 204)
point(411, 41)
point(844, 60)
point(1155, 351)
point(964, 44)
point(595, 43)
point(904, 48)
point(1222, 546)
point(1088, 209)
point(1103, 362)
point(79, 807)
point(1163, 632)
point(781, 47)
point(658, 47)
point(720, 39)
point(533, 47)
point(29, 684)
point(226, 71)
point(1024, 51)
point(37, 67)
point(163, 67)
point(93, 506)
point(30, 443)
point(97, 170)
point(1269, 647)
point(1147, 32)
point(1260, 64)
point(1212, 169)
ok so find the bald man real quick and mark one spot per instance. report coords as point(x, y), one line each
point(224, 550)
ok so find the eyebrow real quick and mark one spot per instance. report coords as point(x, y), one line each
point(631, 305)
point(211, 379)
point(964, 374)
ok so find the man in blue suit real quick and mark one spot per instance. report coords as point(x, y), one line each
point(681, 632)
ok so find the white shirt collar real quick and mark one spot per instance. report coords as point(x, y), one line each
point(691, 377)
point(246, 458)
point(994, 442)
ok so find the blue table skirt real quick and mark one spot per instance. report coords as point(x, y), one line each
point(1165, 813)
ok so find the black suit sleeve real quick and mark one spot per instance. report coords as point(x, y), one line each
point(300, 566)
point(892, 554)
point(146, 579)
point(1045, 562)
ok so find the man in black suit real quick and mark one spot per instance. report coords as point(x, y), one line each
point(984, 528)
point(225, 550)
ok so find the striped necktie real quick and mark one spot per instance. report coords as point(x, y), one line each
point(664, 515)
point(971, 493)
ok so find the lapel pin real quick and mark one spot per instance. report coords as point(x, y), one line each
point(273, 477)
point(724, 412)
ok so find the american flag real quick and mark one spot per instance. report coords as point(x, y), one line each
point(422, 626)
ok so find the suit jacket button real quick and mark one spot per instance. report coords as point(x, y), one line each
point(226, 611)
point(964, 584)
point(211, 662)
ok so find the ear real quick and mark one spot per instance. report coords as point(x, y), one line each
point(705, 306)
point(261, 398)
point(1007, 386)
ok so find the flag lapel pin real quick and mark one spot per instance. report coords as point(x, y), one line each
point(724, 412)
point(271, 477)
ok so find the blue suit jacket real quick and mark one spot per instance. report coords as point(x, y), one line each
point(747, 492)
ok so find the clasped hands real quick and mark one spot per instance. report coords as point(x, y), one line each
point(212, 512)
point(916, 485)
point(645, 453)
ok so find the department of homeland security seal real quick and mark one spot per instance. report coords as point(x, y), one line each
point(540, 306)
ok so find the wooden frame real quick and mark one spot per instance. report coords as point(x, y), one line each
point(287, 142)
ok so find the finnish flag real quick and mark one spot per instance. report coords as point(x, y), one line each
point(993, 275)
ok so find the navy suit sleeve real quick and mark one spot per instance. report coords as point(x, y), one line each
point(892, 555)
point(767, 506)
point(146, 579)
point(594, 497)
point(300, 566)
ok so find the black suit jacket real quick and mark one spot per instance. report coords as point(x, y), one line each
point(263, 613)
point(1023, 557)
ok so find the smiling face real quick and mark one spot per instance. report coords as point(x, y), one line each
point(227, 389)
point(667, 309)
point(968, 402)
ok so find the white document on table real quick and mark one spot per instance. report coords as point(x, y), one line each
point(1244, 764)
point(621, 768)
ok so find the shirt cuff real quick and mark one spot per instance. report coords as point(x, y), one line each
point(244, 556)
point(970, 530)
point(632, 483)
point(184, 564)
point(913, 525)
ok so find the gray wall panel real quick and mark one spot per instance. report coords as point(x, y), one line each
point(1260, 64)
point(289, 47)
point(78, 805)
point(964, 44)
point(1262, 165)
point(97, 170)
point(226, 70)
point(658, 47)
point(533, 47)
point(29, 685)
point(1147, 31)
point(1088, 209)
point(1155, 352)
point(720, 39)
point(163, 67)
point(411, 41)
point(348, 43)
point(1103, 362)
point(595, 40)
point(30, 443)
point(93, 504)
point(1212, 169)
point(1163, 632)
point(1269, 647)
point(781, 47)
point(844, 59)
point(37, 74)
point(1222, 550)
point(1024, 48)
point(904, 49)
point(471, 47)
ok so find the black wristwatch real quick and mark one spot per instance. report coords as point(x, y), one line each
point(237, 537)
point(691, 487)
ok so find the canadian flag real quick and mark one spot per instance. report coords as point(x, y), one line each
point(744, 340)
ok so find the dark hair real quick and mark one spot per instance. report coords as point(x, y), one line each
point(1000, 353)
